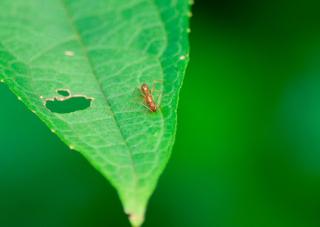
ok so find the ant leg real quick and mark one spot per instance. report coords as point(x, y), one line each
point(140, 101)
point(158, 81)
point(159, 100)
point(136, 96)
point(154, 84)
point(135, 93)
point(146, 106)
point(134, 90)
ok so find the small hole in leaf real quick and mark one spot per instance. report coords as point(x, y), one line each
point(64, 93)
point(68, 105)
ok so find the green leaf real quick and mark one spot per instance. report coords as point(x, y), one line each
point(77, 64)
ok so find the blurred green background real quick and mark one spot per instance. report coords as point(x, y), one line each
point(248, 145)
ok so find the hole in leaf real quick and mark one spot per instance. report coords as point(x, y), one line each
point(69, 104)
point(64, 93)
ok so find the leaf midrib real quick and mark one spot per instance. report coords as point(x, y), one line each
point(94, 73)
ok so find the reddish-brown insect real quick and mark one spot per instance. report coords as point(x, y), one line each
point(148, 98)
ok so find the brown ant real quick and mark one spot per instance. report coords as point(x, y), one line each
point(148, 98)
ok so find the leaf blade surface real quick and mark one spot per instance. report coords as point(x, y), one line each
point(102, 50)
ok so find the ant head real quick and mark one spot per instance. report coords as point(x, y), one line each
point(145, 88)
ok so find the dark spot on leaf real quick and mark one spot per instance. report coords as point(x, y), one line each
point(68, 104)
point(64, 93)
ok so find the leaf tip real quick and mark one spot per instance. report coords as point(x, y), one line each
point(136, 219)
point(136, 213)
